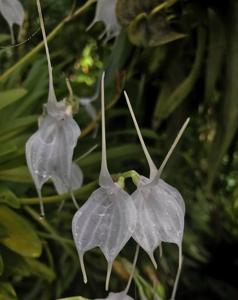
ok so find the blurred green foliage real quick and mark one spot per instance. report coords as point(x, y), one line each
point(175, 59)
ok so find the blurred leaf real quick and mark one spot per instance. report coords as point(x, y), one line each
point(21, 236)
point(9, 198)
point(11, 96)
point(16, 126)
point(7, 291)
point(215, 56)
point(118, 152)
point(19, 174)
point(152, 30)
point(14, 264)
point(227, 119)
point(3, 231)
point(40, 269)
point(7, 149)
point(166, 106)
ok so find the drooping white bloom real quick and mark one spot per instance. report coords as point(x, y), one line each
point(107, 220)
point(160, 207)
point(13, 12)
point(106, 13)
point(49, 151)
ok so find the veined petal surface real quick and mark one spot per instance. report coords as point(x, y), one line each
point(160, 215)
point(107, 220)
point(76, 180)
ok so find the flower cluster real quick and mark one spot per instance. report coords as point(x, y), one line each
point(153, 214)
point(49, 151)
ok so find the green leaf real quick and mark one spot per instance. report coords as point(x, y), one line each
point(215, 59)
point(152, 30)
point(9, 198)
point(40, 269)
point(167, 105)
point(11, 96)
point(19, 174)
point(114, 153)
point(21, 236)
point(14, 264)
point(6, 149)
point(228, 111)
point(16, 126)
point(7, 291)
point(3, 231)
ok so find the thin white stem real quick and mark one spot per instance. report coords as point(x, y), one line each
point(104, 154)
point(61, 206)
point(109, 271)
point(178, 274)
point(42, 211)
point(153, 169)
point(104, 178)
point(74, 200)
point(85, 280)
point(133, 268)
point(46, 46)
point(12, 34)
point(87, 152)
point(151, 255)
point(179, 135)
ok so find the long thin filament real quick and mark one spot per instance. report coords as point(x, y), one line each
point(153, 169)
point(87, 152)
point(178, 137)
point(74, 199)
point(153, 260)
point(109, 271)
point(178, 274)
point(85, 280)
point(51, 90)
point(12, 34)
point(104, 174)
point(42, 211)
point(133, 268)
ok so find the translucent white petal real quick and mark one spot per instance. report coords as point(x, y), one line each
point(160, 215)
point(38, 156)
point(117, 296)
point(76, 180)
point(12, 11)
point(107, 220)
point(49, 152)
point(106, 12)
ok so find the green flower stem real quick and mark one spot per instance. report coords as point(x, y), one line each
point(27, 58)
point(55, 238)
point(133, 175)
point(121, 181)
point(82, 192)
point(43, 223)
